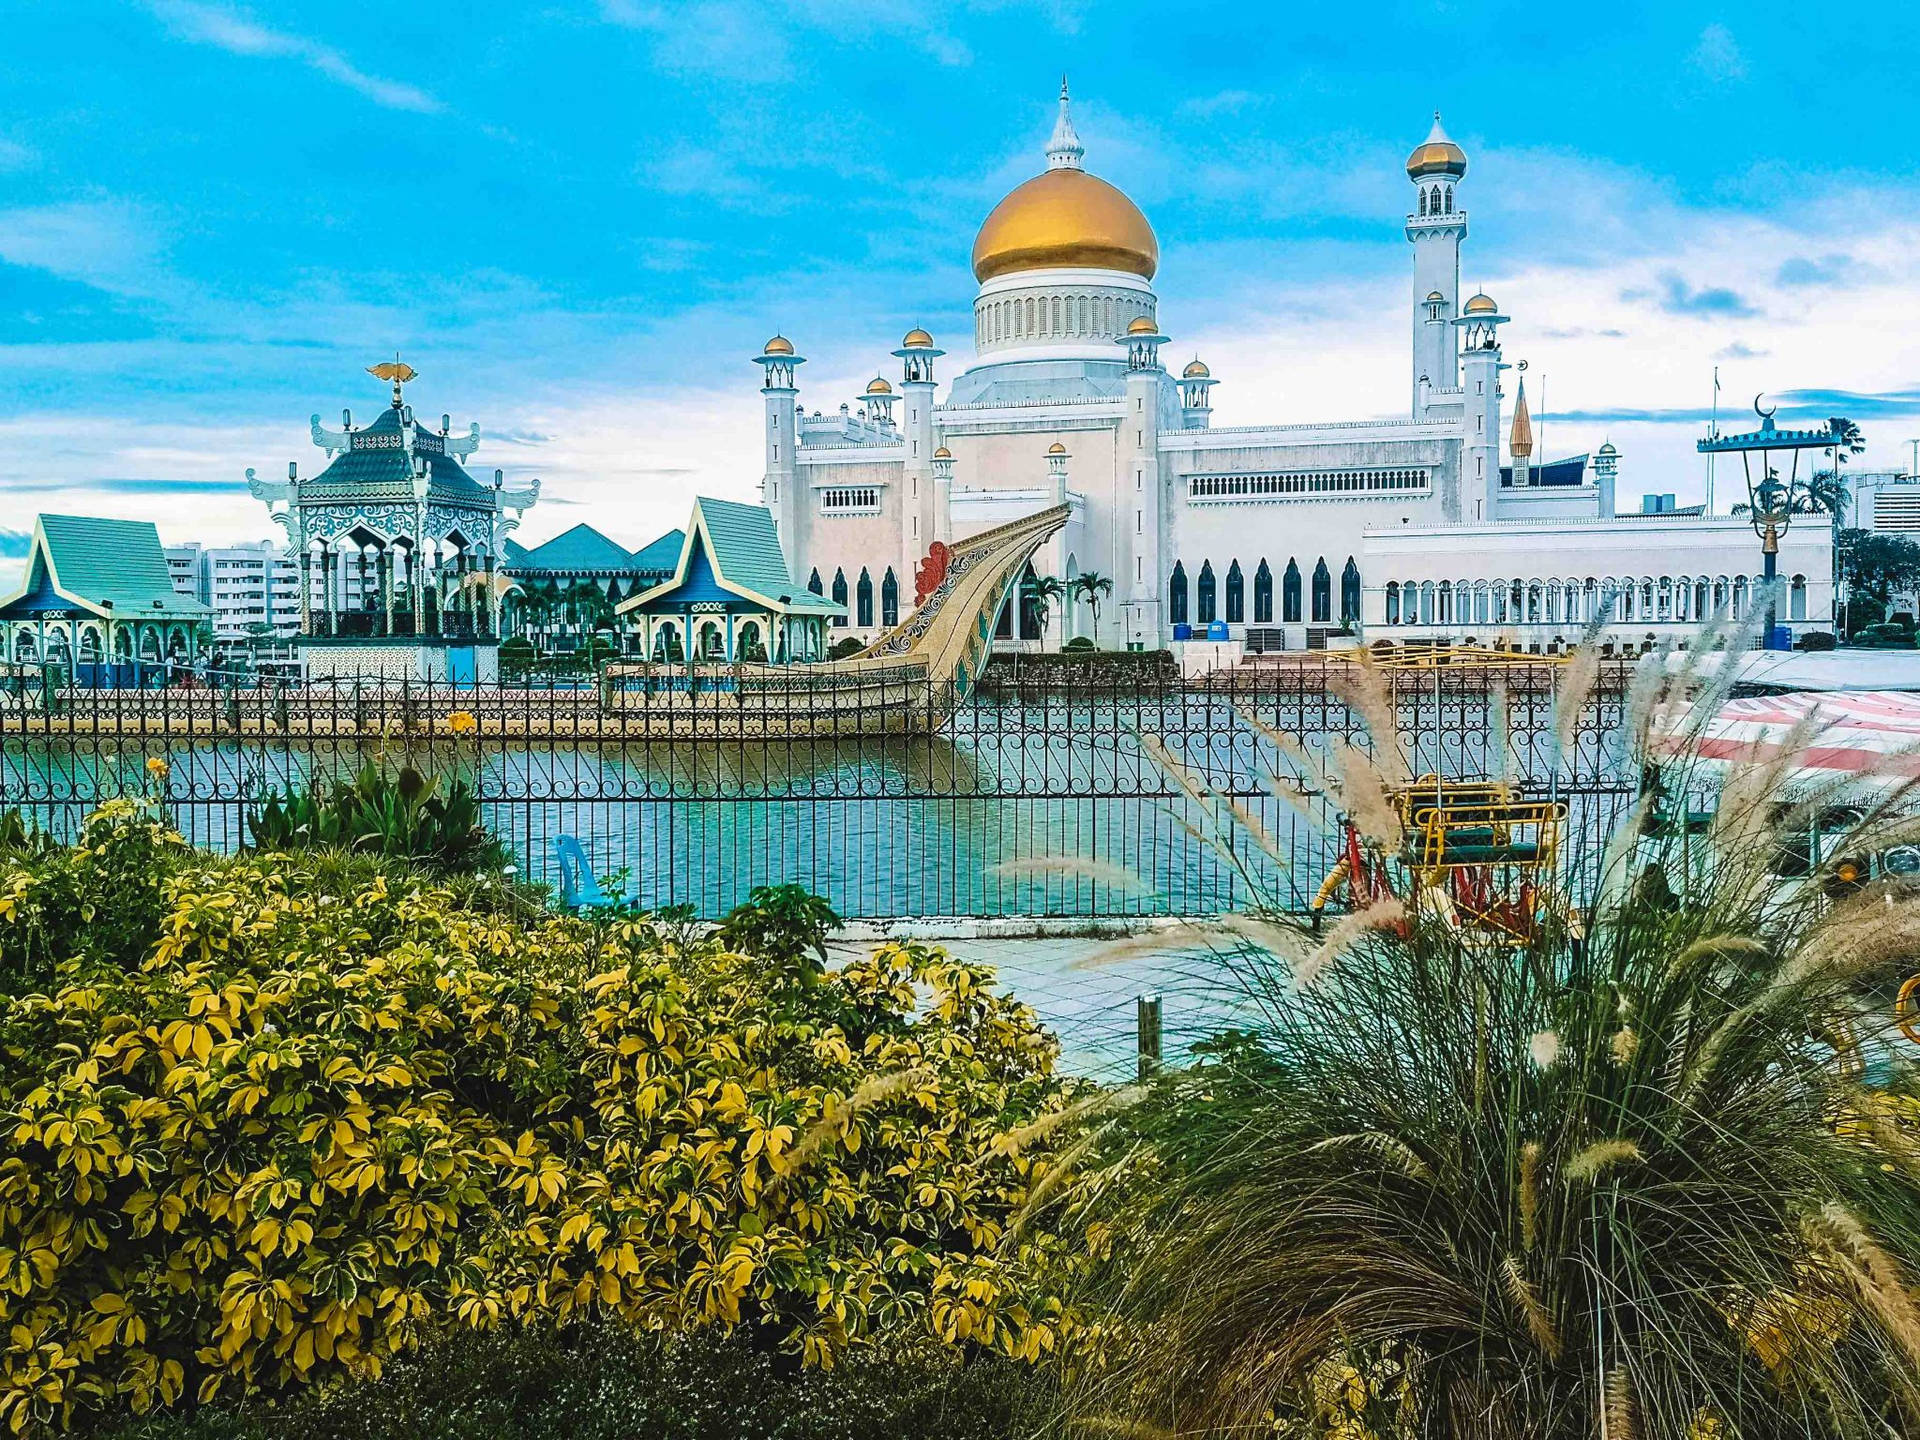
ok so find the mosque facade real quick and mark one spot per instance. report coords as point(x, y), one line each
point(1262, 536)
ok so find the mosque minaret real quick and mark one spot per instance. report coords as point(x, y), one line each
point(1272, 536)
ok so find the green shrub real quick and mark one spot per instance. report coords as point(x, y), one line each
point(601, 1382)
point(328, 1112)
point(1079, 642)
point(432, 820)
point(841, 649)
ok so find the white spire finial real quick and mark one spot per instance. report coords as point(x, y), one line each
point(1064, 150)
point(1436, 134)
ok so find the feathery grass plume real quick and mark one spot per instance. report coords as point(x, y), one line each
point(1544, 1047)
point(1599, 1156)
point(1363, 795)
point(1715, 948)
point(1152, 942)
point(1624, 1045)
point(1392, 1151)
point(1190, 784)
point(836, 1114)
point(1529, 1193)
point(1305, 765)
point(1255, 829)
point(1284, 942)
point(1539, 1321)
point(1345, 933)
point(1577, 680)
point(1500, 729)
point(1369, 694)
point(1622, 1420)
point(1874, 1273)
point(1101, 1102)
point(1073, 867)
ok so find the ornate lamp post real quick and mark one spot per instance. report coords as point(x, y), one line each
point(1771, 501)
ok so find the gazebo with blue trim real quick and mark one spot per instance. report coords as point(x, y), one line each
point(731, 596)
point(97, 595)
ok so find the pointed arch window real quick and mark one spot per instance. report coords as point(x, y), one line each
point(1177, 595)
point(1263, 595)
point(863, 599)
point(889, 599)
point(813, 582)
point(1236, 595)
point(840, 596)
point(1350, 593)
point(1449, 199)
point(1203, 611)
point(1423, 203)
point(1322, 592)
point(1290, 594)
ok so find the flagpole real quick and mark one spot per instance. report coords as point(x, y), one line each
point(1714, 430)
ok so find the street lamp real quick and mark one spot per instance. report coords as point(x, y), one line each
point(1771, 501)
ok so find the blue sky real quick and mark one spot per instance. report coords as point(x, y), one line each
point(579, 220)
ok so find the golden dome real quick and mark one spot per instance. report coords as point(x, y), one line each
point(1481, 304)
point(879, 386)
point(916, 339)
point(943, 453)
point(778, 345)
point(1142, 326)
point(1065, 218)
point(1056, 448)
point(1436, 155)
point(1196, 370)
point(1434, 297)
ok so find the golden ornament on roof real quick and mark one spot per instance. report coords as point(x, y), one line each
point(396, 371)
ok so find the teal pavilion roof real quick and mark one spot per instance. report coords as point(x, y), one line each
point(731, 554)
point(114, 568)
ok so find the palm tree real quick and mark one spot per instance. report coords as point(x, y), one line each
point(1092, 587)
point(1631, 1183)
point(1037, 594)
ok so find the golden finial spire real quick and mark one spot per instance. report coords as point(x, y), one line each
point(1520, 443)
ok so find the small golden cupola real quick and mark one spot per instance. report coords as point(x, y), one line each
point(1436, 155)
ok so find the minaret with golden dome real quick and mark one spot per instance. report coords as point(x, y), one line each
point(1064, 262)
point(779, 483)
point(1436, 227)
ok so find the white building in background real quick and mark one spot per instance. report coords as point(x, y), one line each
point(1281, 534)
point(244, 586)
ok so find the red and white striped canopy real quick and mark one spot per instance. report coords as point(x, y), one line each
point(1849, 732)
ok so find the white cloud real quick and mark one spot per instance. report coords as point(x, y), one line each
point(15, 156)
point(98, 242)
point(237, 35)
point(1717, 55)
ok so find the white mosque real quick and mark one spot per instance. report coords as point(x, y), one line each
point(1261, 537)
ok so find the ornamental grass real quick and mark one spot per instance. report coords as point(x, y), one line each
point(278, 1119)
point(1659, 1180)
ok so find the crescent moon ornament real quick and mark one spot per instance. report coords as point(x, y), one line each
point(1766, 415)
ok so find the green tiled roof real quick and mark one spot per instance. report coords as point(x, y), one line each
point(385, 472)
point(103, 562)
point(745, 549)
point(581, 548)
point(662, 555)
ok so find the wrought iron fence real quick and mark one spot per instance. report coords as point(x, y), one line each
point(1035, 797)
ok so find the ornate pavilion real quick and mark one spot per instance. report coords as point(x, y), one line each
point(399, 547)
point(96, 595)
point(730, 597)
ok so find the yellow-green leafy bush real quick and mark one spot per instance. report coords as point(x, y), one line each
point(335, 1110)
